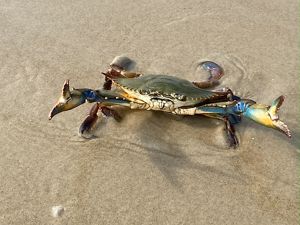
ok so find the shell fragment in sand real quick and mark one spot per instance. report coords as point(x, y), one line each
point(57, 211)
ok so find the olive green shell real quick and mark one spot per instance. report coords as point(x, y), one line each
point(164, 85)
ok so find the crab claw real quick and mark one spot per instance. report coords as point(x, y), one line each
point(268, 115)
point(69, 99)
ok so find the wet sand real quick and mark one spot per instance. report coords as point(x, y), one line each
point(151, 168)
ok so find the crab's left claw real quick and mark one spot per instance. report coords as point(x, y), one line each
point(268, 115)
point(69, 99)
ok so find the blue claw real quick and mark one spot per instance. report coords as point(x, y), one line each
point(267, 115)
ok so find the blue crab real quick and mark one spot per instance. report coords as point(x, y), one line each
point(169, 94)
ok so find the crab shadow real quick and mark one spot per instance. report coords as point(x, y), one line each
point(169, 154)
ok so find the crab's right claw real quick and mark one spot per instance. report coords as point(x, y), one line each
point(268, 115)
point(63, 100)
point(69, 99)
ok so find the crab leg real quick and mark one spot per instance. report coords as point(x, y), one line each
point(103, 106)
point(229, 121)
point(90, 120)
point(107, 84)
point(116, 70)
point(219, 111)
point(92, 117)
point(215, 73)
point(229, 128)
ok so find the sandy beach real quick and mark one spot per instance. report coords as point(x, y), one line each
point(151, 168)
